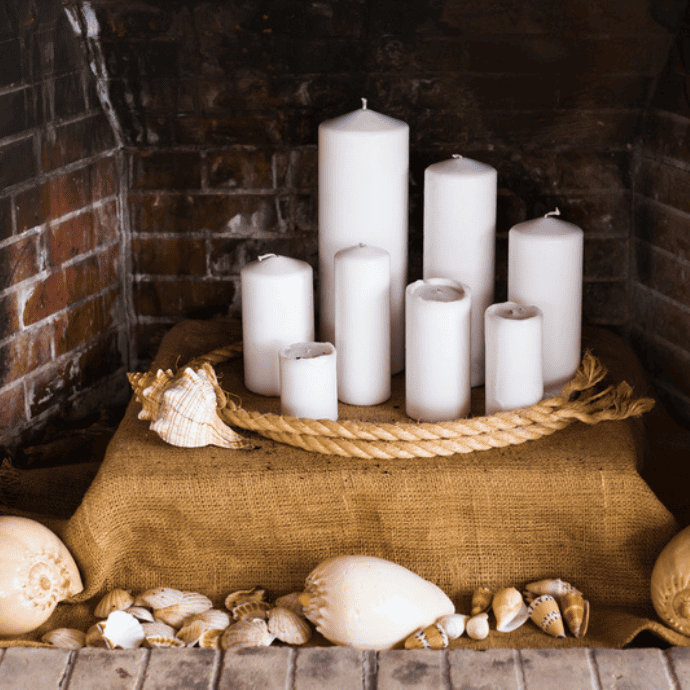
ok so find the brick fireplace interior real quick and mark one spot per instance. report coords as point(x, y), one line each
point(149, 149)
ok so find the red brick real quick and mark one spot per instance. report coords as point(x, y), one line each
point(24, 353)
point(9, 315)
point(13, 412)
point(240, 169)
point(165, 170)
point(183, 298)
point(17, 162)
point(46, 298)
point(18, 261)
point(169, 256)
point(75, 141)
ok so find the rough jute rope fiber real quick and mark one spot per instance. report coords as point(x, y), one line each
point(578, 401)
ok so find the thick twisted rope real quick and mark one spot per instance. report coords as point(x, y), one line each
point(578, 401)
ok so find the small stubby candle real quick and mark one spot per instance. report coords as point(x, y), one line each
point(460, 236)
point(363, 168)
point(514, 376)
point(277, 310)
point(438, 350)
point(309, 381)
point(362, 288)
point(545, 260)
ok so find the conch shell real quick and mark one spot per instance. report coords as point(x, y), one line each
point(148, 388)
point(510, 610)
point(370, 603)
point(670, 583)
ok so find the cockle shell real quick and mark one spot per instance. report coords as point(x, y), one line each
point(431, 637)
point(454, 624)
point(554, 587)
point(288, 627)
point(148, 388)
point(242, 596)
point(187, 416)
point(215, 617)
point(159, 597)
point(251, 609)
point(160, 642)
point(121, 630)
point(575, 612)
point(248, 633)
point(188, 605)
point(510, 610)
point(140, 613)
point(190, 633)
point(115, 600)
point(670, 583)
point(67, 638)
point(370, 603)
point(210, 639)
point(158, 629)
point(545, 613)
point(290, 601)
point(481, 600)
point(478, 626)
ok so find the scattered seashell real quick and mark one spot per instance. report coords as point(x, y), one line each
point(510, 610)
point(190, 632)
point(94, 637)
point(553, 587)
point(158, 629)
point(244, 595)
point(478, 626)
point(481, 600)
point(67, 638)
point(121, 630)
point(287, 626)
point(251, 609)
point(159, 597)
point(290, 601)
point(453, 624)
point(141, 614)
point(148, 388)
point(545, 613)
point(191, 603)
point(431, 637)
point(211, 639)
point(575, 612)
point(370, 603)
point(247, 633)
point(216, 617)
point(116, 600)
point(159, 642)
point(670, 583)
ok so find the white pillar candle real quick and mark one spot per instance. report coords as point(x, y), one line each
point(460, 236)
point(437, 361)
point(545, 270)
point(362, 324)
point(363, 163)
point(513, 356)
point(277, 310)
point(308, 381)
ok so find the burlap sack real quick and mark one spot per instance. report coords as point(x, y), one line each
point(571, 505)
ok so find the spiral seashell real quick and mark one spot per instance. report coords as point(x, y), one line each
point(431, 637)
point(481, 600)
point(116, 600)
point(122, 631)
point(545, 613)
point(191, 603)
point(160, 642)
point(453, 624)
point(243, 596)
point(553, 587)
point(288, 627)
point(67, 638)
point(94, 638)
point(251, 609)
point(210, 639)
point(575, 612)
point(670, 583)
point(290, 601)
point(148, 388)
point(159, 597)
point(510, 610)
point(158, 629)
point(216, 617)
point(140, 613)
point(478, 626)
point(248, 633)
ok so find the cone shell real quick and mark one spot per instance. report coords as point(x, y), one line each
point(159, 597)
point(122, 631)
point(431, 637)
point(211, 639)
point(478, 626)
point(545, 613)
point(191, 603)
point(453, 624)
point(509, 609)
point(554, 587)
point(481, 600)
point(247, 633)
point(290, 601)
point(288, 627)
point(67, 638)
point(244, 595)
point(575, 611)
point(116, 600)
point(251, 609)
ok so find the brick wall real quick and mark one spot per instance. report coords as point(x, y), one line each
point(62, 322)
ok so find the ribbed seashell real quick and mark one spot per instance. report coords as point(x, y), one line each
point(575, 612)
point(431, 637)
point(188, 417)
point(67, 638)
point(211, 639)
point(158, 629)
point(244, 595)
point(121, 630)
point(191, 603)
point(288, 627)
point(160, 642)
point(216, 617)
point(94, 637)
point(670, 583)
point(481, 600)
point(554, 587)
point(247, 633)
point(190, 632)
point(251, 609)
point(159, 597)
point(290, 601)
point(510, 610)
point(454, 624)
point(477, 627)
point(148, 388)
point(141, 614)
point(545, 613)
point(116, 600)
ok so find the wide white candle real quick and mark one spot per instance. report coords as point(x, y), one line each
point(277, 310)
point(362, 285)
point(514, 375)
point(309, 381)
point(363, 181)
point(437, 362)
point(460, 236)
point(545, 270)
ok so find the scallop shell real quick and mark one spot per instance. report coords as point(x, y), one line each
point(481, 600)
point(510, 610)
point(159, 597)
point(431, 637)
point(140, 613)
point(575, 612)
point(290, 601)
point(545, 613)
point(370, 603)
point(191, 603)
point(116, 600)
point(160, 642)
point(553, 587)
point(478, 626)
point(670, 583)
point(288, 627)
point(251, 609)
point(454, 624)
point(211, 639)
point(187, 416)
point(94, 637)
point(121, 630)
point(244, 595)
point(67, 638)
point(248, 633)
point(190, 632)
point(216, 617)
point(158, 629)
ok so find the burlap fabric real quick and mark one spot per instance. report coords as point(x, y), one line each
point(571, 505)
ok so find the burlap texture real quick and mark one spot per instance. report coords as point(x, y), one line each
point(571, 505)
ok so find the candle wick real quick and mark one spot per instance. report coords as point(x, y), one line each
point(457, 155)
point(364, 104)
point(553, 213)
point(266, 256)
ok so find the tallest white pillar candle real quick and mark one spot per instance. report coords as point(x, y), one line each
point(363, 182)
point(460, 237)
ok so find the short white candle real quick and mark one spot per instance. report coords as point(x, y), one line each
point(545, 270)
point(362, 325)
point(277, 310)
point(363, 162)
point(513, 356)
point(437, 362)
point(460, 236)
point(309, 381)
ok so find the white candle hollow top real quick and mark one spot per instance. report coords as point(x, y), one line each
point(307, 350)
point(514, 311)
point(438, 293)
point(458, 165)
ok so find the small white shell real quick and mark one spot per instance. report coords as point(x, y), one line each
point(510, 610)
point(67, 638)
point(478, 626)
point(288, 627)
point(116, 600)
point(191, 603)
point(290, 601)
point(159, 597)
point(247, 633)
point(454, 624)
point(122, 631)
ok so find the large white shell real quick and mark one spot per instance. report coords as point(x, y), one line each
point(670, 583)
point(370, 603)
